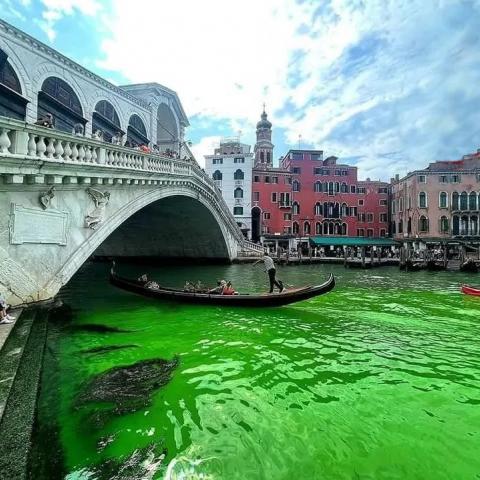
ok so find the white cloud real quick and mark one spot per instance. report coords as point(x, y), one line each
point(204, 147)
point(399, 94)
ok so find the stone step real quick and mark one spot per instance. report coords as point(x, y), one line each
point(13, 339)
point(19, 411)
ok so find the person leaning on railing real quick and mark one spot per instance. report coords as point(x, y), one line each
point(45, 121)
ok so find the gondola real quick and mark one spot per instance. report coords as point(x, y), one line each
point(469, 266)
point(266, 300)
point(468, 290)
point(436, 265)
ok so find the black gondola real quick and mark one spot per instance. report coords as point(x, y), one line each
point(436, 265)
point(244, 300)
point(469, 266)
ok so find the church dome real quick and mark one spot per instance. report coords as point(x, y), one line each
point(264, 123)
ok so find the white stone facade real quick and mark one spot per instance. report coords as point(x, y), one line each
point(228, 160)
point(34, 62)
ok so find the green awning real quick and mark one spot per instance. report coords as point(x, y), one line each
point(352, 241)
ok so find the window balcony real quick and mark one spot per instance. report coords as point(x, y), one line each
point(239, 201)
point(285, 204)
point(239, 183)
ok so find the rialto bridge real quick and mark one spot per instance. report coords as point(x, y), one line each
point(64, 198)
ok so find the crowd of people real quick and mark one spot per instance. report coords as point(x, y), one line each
point(47, 120)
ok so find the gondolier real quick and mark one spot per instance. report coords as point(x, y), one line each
point(270, 269)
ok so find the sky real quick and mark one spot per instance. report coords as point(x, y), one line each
point(387, 85)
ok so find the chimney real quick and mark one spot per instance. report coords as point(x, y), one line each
point(397, 177)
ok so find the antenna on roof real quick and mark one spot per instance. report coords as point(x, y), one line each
point(300, 141)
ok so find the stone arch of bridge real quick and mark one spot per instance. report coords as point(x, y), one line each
point(207, 215)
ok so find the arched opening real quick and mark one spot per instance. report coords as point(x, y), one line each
point(173, 227)
point(344, 188)
point(136, 131)
point(317, 187)
point(423, 224)
point(238, 193)
point(318, 209)
point(296, 208)
point(455, 225)
point(463, 201)
point(318, 228)
point(443, 200)
point(344, 229)
point(167, 131)
point(464, 225)
point(472, 201)
point(455, 201)
point(330, 228)
point(256, 224)
point(58, 98)
point(444, 227)
point(12, 104)
point(295, 186)
point(105, 119)
point(306, 228)
point(295, 228)
point(238, 175)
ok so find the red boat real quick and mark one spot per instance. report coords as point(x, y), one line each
point(470, 290)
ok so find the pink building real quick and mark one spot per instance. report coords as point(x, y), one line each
point(441, 202)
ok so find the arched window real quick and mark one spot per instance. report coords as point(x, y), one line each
point(296, 208)
point(58, 98)
point(105, 118)
point(325, 228)
point(330, 228)
point(295, 228)
point(268, 157)
point(344, 210)
point(400, 226)
point(318, 228)
point(12, 104)
point(318, 209)
point(383, 233)
point(296, 186)
point(394, 228)
point(422, 200)
point(217, 175)
point(464, 225)
point(344, 229)
point(136, 132)
point(455, 225)
point(443, 200)
point(472, 201)
point(306, 228)
point(344, 188)
point(338, 229)
point(238, 175)
point(262, 157)
point(423, 224)
point(337, 187)
point(473, 225)
point(317, 187)
point(238, 193)
point(455, 201)
point(463, 201)
point(325, 187)
point(444, 224)
point(330, 188)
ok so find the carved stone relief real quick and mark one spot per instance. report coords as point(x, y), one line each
point(95, 217)
point(46, 198)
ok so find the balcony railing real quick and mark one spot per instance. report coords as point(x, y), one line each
point(239, 201)
point(285, 203)
point(239, 183)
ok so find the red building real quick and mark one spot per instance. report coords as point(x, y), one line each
point(309, 196)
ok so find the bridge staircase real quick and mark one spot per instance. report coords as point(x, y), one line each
point(250, 249)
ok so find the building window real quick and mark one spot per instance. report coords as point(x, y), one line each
point(262, 157)
point(360, 203)
point(393, 206)
point(383, 232)
point(370, 217)
point(337, 187)
point(296, 170)
point(454, 201)
point(296, 186)
point(274, 179)
point(338, 173)
point(274, 197)
point(288, 180)
point(352, 189)
point(443, 200)
point(383, 203)
point(344, 173)
point(295, 228)
point(443, 179)
point(444, 227)
point(217, 175)
point(422, 200)
point(317, 171)
point(370, 232)
point(266, 179)
point(423, 224)
point(318, 228)
point(239, 160)
point(316, 157)
point(361, 190)
point(360, 232)
point(238, 210)
point(383, 190)
point(297, 156)
point(344, 188)
point(306, 228)
point(455, 178)
point(287, 230)
point(284, 199)
point(268, 157)
point(318, 209)
point(472, 201)
point(400, 226)
point(238, 175)
point(256, 196)
point(353, 211)
point(238, 193)
point(296, 208)
point(266, 215)
point(463, 201)
point(287, 216)
point(383, 217)
point(317, 187)
point(256, 178)
point(331, 188)
point(422, 179)
point(217, 161)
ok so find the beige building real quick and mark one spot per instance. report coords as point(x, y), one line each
point(440, 202)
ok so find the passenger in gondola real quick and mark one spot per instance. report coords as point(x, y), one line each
point(189, 287)
point(218, 290)
point(143, 278)
point(151, 284)
point(228, 290)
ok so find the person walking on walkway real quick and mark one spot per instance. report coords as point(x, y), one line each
point(270, 269)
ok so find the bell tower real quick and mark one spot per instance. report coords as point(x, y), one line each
point(264, 146)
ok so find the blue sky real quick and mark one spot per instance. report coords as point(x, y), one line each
point(387, 85)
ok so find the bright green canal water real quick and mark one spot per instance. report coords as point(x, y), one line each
point(379, 379)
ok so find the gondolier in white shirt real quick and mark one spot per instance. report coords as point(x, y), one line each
point(270, 269)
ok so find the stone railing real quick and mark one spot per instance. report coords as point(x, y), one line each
point(23, 141)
